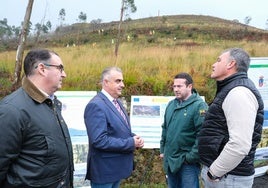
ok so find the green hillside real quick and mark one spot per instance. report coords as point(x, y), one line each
point(151, 30)
point(148, 29)
point(161, 43)
point(152, 50)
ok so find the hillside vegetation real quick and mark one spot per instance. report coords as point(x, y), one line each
point(179, 27)
point(152, 50)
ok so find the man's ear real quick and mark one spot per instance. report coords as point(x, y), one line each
point(105, 81)
point(41, 68)
point(231, 64)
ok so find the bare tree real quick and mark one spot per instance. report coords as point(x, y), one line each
point(125, 5)
point(38, 28)
point(21, 46)
point(41, 27)
point(95, 24)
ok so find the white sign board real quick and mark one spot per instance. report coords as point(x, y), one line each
point(73, 106)
point(147, 116)
point(258, 73)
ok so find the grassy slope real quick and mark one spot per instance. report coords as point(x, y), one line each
point(180, 26)
point(163, 45)
point(149, 60)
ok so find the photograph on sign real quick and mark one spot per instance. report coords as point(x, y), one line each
point(73, 106)
point(145, 111)
point(258, 73)
point(147, 116)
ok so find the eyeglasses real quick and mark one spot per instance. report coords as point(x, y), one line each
point(59, 67)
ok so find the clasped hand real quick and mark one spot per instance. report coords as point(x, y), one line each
point(139, 142)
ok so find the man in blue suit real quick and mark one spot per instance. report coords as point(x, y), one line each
point(111, 142)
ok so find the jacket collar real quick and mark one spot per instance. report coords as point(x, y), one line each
point(33, 91)
point(222, 83)
point(188, 101)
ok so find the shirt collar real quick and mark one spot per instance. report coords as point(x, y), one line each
point(107, 95)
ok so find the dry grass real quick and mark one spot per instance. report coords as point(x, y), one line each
point(143, 66)
point(154, 64)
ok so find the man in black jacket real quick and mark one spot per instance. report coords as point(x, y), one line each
point(233, 124)
point(36, 149)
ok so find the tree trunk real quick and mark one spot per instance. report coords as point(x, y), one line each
point(119, 29)
point(21, 45)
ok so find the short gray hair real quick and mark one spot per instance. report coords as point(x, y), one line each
point(241, 57)
point(106, 72)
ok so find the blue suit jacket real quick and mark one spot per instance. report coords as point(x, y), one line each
point(111, 143)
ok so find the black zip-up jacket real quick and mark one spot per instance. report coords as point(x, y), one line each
point(214, 133)
point(36, 149)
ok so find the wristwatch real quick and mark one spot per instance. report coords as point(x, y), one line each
point(212, 177)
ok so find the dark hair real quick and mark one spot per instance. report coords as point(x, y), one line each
point(34, 57)
point(186, 76)
point(241, 57)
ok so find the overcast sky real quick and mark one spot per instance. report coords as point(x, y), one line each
point(109, 10)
